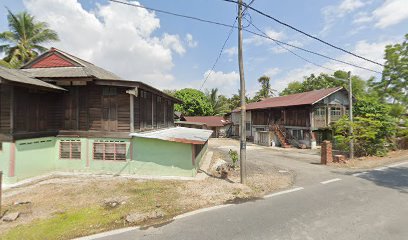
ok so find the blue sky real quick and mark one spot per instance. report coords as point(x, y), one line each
point(171, 53)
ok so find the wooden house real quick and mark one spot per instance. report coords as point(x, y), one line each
point(302, 119)
point(68, 109)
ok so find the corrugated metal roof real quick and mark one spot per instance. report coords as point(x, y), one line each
point(57, 72)
point(210, 121)
point(305, 98)
point(86, 69)
point(178, 134)
point(15, 75)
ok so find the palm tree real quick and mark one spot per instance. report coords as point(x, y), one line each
point(266, 91)
point(24, 39)
point(219, 103)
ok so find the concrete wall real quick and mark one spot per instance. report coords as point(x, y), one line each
point(144, 156)
point(34, 157)
point(163, 158)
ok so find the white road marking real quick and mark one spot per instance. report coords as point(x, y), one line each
point(330, 181)
point(201, 211)
point(284, 192)
point(359, 174)
point(398, 164)
point(380, 168)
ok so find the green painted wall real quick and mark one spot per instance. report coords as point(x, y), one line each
point(34, 157)
point(163, 158)
point(144, 157)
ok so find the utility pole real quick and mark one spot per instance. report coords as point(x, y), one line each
point(351, 116)
point(242, 148)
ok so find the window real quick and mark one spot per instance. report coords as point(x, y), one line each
point(297, 134)
point(70, 149)
point(111, 151)
point(335, 111)
point(320, 111)
point(248, 126)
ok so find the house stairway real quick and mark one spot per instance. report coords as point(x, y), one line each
point(280, 132)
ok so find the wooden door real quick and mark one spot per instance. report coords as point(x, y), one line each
point(109, 109)
point(71, 109)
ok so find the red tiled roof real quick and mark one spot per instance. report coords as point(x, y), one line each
point(210, 121)
point(305, 98)
point(53, 60)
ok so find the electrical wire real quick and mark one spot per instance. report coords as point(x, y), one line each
point(246, 30)
point(220, 53)
point(304, 33)
point(297, 55)
point(312, 52)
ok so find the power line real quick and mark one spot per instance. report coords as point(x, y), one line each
point(246, 30)
point(309, 51)
point(171, 13)
point(297, 55)
point(307, 34)
point(219, 55)
point(225, 43)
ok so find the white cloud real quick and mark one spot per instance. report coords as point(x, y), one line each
point(258, 40)
point(350, 5)
point(270, 72)
point(190, 41)
point(173, 42)
point(227, 83)
point(333, 12)
point(232, 51)
point(373, 51)
point(279, 49)
point(391, 12)
point(116, 37)
point(362, 17)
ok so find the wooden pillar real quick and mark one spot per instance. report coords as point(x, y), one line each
point(328, 116)
point(311, 117)
point(11, 109)
point(132, 113)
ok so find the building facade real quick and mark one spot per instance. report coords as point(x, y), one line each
point(61, 113)
point(301, 120)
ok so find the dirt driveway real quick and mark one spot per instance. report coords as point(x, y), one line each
point(305, 163)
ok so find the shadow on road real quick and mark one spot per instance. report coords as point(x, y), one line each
point(395, 178)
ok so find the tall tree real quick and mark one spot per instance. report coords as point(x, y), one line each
point(393, 85)
point(195, 103)
point(266, 91)
point(24, 40)
point(323, 80)
point(219, 103)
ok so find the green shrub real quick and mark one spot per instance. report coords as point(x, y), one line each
point(234, 157)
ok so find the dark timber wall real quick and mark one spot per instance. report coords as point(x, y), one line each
point(85, 109)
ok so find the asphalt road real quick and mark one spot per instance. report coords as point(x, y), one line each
point(325, 204)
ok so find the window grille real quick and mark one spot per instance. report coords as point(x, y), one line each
point(110, 151)
point(70, 150)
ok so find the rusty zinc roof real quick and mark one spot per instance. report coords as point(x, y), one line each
point(305, 98)
point(210, 121)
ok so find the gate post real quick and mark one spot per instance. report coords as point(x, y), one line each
point(326, 153)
